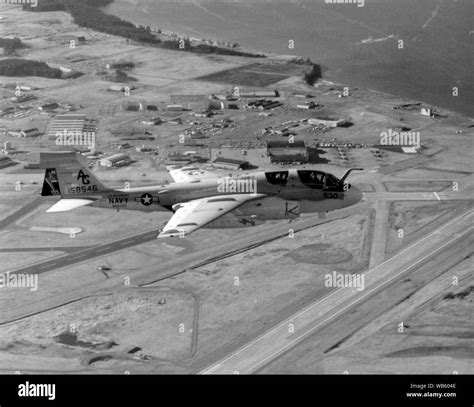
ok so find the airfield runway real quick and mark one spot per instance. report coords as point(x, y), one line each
point(268, 346)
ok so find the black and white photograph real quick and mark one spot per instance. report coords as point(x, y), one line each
point(237, 187)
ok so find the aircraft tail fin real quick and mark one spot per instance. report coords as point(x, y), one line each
point(67, 177)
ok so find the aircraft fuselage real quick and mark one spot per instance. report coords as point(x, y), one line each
point(288, 194)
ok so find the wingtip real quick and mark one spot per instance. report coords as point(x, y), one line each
point(170, 233)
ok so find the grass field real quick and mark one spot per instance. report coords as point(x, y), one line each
point(255, 75)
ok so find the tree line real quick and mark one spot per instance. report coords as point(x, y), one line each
point(10, 45)
point(87, 13)
point(27, 67)
point(312, 76)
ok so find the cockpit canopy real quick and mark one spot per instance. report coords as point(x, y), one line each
point(319, 180)
point(311, 178)
point(277, 177)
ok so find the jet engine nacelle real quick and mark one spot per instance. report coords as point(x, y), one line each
point(231, 221)
point(271, 208)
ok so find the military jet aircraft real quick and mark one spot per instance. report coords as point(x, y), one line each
point(201, 201)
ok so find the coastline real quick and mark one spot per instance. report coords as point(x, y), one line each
point(175, 35)
point(256, 53)
point(339, 70)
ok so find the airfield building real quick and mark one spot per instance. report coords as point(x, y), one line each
point(116, 160)
point(281, 151)
point(230, 163)
point(48, 106)
point(6, 161)
point(63, 126)
point(30, 132)
point(175, 108)
point(328, 122)
point(24, 133)
point(261, 94)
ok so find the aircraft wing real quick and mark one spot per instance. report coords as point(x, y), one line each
point(192, 215)
point(189, 173)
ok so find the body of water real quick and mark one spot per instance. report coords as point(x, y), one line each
point(359, 46)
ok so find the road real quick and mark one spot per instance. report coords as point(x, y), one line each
point(86, 254)
point(379, 233)
point(67, 249)
point(306, 321)
point(415, 196)
point(21, 212)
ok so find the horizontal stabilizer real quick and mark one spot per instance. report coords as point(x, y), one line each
point(189, 173)
point(64, 205)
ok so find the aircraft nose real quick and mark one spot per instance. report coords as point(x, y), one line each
point(354, 195)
